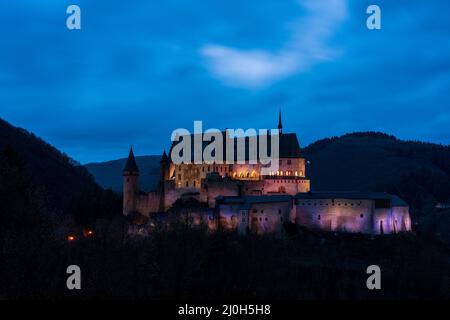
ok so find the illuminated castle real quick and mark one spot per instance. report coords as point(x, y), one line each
point(240, 197)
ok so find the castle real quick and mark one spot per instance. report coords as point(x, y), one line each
point(240, 197)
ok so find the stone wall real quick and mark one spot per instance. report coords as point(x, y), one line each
point(346, 215)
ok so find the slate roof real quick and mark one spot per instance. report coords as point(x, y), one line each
point(246, 202)
point(131, 165)
point(356, 195)
point(288, 145)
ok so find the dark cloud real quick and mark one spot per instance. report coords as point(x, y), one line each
point(135, 72)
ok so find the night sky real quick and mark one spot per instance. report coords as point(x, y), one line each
point(139, 69)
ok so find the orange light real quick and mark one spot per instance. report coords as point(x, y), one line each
point(90, 232)
point(70, 238)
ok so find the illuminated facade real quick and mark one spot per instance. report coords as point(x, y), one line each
point(239, 197)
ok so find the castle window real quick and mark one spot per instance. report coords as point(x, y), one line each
point(361, 215)
point(193, 183)
point(203, 169)
point(281, 218)
point(296, 173)
point(289, 162)
point(265, 219)
point(187, 183)
point(281, 161)
point(255, 211)
point(279, 211)
point(260, 219)
point(262, 211)
point(318, 217)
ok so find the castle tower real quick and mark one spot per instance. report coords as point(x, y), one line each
point(164, 166)
point(280, 125)
point(130, 184)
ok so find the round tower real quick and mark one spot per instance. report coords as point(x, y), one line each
point(164, 165)
point(130, 184)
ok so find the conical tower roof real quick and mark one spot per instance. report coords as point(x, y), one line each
point(131, 165)
point(164, 157)
point(280, 124)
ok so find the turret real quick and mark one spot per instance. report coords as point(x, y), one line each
point(164, 165)
point(280, 125)
point(130, 184)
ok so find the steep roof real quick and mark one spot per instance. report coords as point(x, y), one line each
point(280, 124)
point(131, 165)
point(246, 202)
point(355, 195)
point(164, 157)
point(288, 145)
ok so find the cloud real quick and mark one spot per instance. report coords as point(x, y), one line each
point(306, 47)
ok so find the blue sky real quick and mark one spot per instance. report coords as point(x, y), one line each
point(139, 69)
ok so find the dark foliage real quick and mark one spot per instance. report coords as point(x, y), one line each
point(59, 183)
point(185, 264)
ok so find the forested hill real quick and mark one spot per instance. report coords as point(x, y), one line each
point(416, 171)
point(59, 182)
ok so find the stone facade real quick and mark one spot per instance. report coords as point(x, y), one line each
point(364, 212)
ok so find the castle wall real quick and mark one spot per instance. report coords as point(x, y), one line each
point(382, 221)
point(401, 220)
point(233, 218)
point(246, 171)
point(191, 175)
point(291, 167)
point(211, 189)
point(290, 186)
point(172, 194)
point(130, 187)
point(268, 218)
point(147, 203)
point(339, 215)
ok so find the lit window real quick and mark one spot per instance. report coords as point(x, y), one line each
point(296, 173)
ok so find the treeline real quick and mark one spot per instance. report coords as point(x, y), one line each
point(187, 264)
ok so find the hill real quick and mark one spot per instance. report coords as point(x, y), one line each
point(109, 174)
point(58, 182)
point(416, 171)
